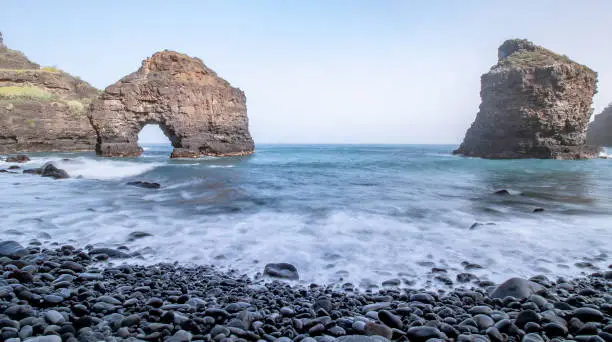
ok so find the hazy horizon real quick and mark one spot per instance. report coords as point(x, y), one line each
point(389, 72)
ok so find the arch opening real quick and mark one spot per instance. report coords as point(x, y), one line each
point(153, 139)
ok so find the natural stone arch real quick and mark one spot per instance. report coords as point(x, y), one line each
point(199, 112)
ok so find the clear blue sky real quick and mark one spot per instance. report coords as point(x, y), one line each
point(343, 71)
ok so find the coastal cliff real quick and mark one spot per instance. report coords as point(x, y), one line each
point(600, 130)
point(200, 113)
point(535, 104)
point(42, 109)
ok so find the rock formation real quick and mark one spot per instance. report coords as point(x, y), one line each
point(535, 104)
point(201, 113)
point(42, 109)
point(600, 130)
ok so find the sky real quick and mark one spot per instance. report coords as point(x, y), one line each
point(320, 71)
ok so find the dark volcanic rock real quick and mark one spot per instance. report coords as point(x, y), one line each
point(42, 109)
point(535, 104)
point(281, 270)
point(12, 249)
point(50, 170)
point(146, 185)
point(47, 294)
point(20, 158)
point(600, 129)
point(201, 113)
point(517, 288)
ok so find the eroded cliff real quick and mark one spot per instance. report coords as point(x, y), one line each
point(201, 113)
point(42, 109)
point(600, 129)
point(535, 104)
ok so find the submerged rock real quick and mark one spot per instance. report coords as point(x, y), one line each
point(42, 109)
point(146, 185)
point(50, 170)
point(36, 171)
point(20, 158)
point(535, 104)
point(281, 270)
point(201, 113)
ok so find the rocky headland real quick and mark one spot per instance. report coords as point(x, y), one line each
point(42, 109)
point(600, 129)
point(535, 104)
point(201, 113)
point(67, 294)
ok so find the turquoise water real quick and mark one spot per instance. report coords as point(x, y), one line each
point(358, 213)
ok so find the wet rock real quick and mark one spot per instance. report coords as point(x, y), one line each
point(20, 158)
point(517, 288)
point(33, 171)
point(538, 210)
point(372, 328)
point(361, 338)
point(146, 185)
point(532, 337)
point(527, 316)
point(502, 192)
point(424, 333)
point(113, 253)
point(588, 315)
point(12, 249)
point(282, 271)
point(390, 319)
point(50, 170)
point(138, 235)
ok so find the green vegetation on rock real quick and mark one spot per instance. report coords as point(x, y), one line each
point(51, 69)
point(522, 53)
point(25, 92)
point(76, 107)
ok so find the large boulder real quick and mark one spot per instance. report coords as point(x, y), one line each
point(42, 109)
point(50, 170)
point(535, 104)
point(600, 129)
point(201, 113)
point(516, 287)
point(281, 270)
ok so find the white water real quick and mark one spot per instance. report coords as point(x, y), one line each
point(359, 222)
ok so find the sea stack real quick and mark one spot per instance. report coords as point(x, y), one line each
point(600, 130)
point(42, 109)
point(200, 113)
point(535, 104)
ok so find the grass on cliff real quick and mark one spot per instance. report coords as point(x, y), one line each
point(540, 57)
point(76, 107)
point(51, 69)
point(25, 93)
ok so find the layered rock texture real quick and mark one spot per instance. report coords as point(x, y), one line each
point(535, 104)
point(600, 130)
point(42, 109)
point(201, 113)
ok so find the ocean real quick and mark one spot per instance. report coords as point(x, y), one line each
point(340, 213)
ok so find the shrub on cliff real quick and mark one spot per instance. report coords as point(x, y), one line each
point(25, 92)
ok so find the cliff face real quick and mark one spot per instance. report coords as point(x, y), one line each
point(535, 104)
point(201, 113)
point(42, 109)
point(600, 130)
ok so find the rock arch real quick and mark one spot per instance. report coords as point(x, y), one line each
point(199, 112)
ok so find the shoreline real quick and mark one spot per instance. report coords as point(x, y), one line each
point(65, 292)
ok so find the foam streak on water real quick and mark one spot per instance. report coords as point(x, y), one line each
point(362, 214)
